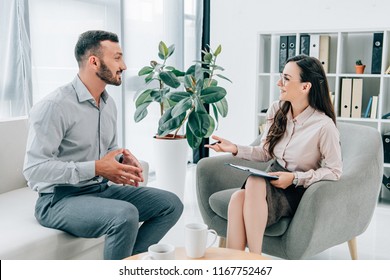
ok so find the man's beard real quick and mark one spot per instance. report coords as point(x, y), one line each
point(106, 75)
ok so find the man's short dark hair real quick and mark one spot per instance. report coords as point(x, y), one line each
point(89, 43)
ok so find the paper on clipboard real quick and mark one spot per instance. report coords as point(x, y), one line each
point(253, 171)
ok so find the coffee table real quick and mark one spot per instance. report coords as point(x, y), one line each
point(213, 253)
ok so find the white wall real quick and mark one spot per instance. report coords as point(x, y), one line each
point(235, 23)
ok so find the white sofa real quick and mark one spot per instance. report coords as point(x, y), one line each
point(21, 236)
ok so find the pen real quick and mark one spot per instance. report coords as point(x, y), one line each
point(218, 142)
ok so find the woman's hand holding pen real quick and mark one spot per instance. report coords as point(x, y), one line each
point(222, 145)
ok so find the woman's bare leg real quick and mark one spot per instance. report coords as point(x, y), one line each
point(255, 213)
point(236, 237)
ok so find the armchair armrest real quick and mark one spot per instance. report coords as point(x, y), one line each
point(331, 212)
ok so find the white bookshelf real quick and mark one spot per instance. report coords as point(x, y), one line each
point(346, 46)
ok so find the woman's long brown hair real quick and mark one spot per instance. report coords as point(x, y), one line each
point(319, 98)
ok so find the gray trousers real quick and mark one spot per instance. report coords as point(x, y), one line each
point(114, 211)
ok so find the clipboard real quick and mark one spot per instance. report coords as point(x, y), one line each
point(253, 171)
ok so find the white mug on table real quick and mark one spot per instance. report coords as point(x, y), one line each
point(160, 252)
point(196, 236)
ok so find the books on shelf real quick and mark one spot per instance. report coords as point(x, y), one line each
point(291, 40)
point(374, 107)
point(346, 97)
point(351, 97)
point(304, 44)
point(377, 48)
point(313, 45)
point(331, 95)
point(282, 52)
point(368, 109)
point(323, 55)
point(357, 94)
point(388, 70)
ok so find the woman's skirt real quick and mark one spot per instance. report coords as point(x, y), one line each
point(281, 202)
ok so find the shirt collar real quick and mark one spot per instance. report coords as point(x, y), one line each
point(83, 93)
point(302, 117)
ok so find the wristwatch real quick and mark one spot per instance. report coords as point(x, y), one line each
point(295, 181)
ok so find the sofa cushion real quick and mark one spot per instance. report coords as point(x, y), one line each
point(22, 237)
point(12, 149)
point(219, 202)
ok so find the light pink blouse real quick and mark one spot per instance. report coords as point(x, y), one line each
point(310, 146)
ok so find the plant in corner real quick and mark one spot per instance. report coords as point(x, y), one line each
point(359, 67)
point(182, 96)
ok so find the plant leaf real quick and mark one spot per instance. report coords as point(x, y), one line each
point(199, 107)
point(145, 70)
point(215, 111)
point(178, 73)
point(199, 123)
point(189, 82)
point(141, 111)
point(178, 95)
point(218, 50)
point(211, 127)
point(222, 107)
point(181, 107)
point(216, 67)
point(223, 77)
point(167, 123)
point(149, 78)
point(144, 97)
point(170, 79)
point(208, 57)
point(191, 70)
point(192, 140)
point(171, 50)
point(162, 50)
point(212, 94)
point(213, 83)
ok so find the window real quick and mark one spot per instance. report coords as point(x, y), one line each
point(146, 23)
point(55, 27)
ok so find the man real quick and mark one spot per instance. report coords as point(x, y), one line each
point(72, 153)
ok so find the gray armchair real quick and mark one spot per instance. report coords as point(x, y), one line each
point(330, 212)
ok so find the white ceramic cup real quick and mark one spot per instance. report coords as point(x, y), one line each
point(196, 236)
point(160, 252)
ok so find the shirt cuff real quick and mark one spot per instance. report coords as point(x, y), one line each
point(86, 170)
point(242, 151)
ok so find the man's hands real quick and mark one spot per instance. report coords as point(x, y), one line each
point(129, 172)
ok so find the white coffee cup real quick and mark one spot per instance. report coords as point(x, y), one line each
point(160, 252)
point(196, 236)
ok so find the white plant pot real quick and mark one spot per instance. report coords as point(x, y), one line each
point(171, 164)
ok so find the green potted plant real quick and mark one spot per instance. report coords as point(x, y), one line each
point(359, 67)
point(185, 106)
point(184, 120)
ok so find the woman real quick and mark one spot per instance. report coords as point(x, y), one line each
point(302, 139)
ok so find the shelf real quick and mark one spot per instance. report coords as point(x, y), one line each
point(344, 48)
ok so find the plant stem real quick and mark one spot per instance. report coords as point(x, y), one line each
point(184, 120)
point(162, 102)
point(212, 73)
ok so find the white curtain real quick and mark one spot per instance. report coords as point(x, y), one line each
point(15, 59)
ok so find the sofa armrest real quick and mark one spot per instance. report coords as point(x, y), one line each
point(145, 173)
